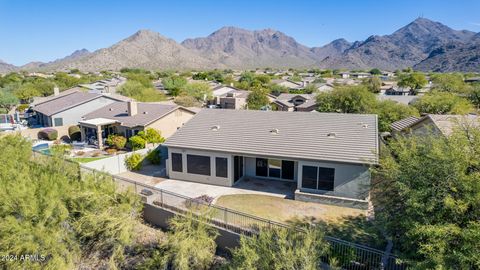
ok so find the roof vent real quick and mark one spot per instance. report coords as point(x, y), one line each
point(274, 131)
point(332, 135)
point(364, 125)
point(111, 109)
point(215, 128)
point(145, 112)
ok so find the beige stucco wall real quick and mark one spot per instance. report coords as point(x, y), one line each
point(212, 179)
point(169, 124)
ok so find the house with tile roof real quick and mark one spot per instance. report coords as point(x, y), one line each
point(67, 107)
point(129, 118)
point(295, 102)
point(326, 155)
point(229, 97)
point(434, 124)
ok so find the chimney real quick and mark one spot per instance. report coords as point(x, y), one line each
point(56, 91)
point(132, 108)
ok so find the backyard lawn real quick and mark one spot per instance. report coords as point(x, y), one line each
point(283, 210)
point(345, 223)
point(86, 159)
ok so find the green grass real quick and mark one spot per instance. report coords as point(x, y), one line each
point(86, 159)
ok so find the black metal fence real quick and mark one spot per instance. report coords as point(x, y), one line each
point(346, 254)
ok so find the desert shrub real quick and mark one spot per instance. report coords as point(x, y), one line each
point(134, 162)
point(191, 243)
point(111, 151)
point(61, 149)
point(200, 200)
point(79, 153)
point(153, 156)
point(74, 133)
point(23, 107)
point(96, 154)
point(116, 141)
point(49, 134)
point(151, 135)
point(137, 142)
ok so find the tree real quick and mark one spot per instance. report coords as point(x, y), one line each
point(276, 89)
point(174, 84)
point(7, 100)
point(138, 91)
point(389, 111)
point(198, 90)
point(427, 192)
point(449, 82)
point(26, 92)
point(191, 243)
point(373, 84)
point(443, 103)
point(187, 101)
point(60, 216)
point(346, 99)
point(257, 99)
point(474, 95)
point(375, 71)
point(311, 88)
point(137, 142)
point(280, 249)
point(415, 80)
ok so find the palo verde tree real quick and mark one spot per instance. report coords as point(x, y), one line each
point(427, 193)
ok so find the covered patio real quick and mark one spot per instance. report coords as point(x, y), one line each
point(95, 131)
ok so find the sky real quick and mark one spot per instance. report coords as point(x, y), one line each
point(45, 30)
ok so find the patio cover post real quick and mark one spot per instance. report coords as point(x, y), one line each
point(99, 137)
point(82, 133)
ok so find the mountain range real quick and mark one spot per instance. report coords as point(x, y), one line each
point(422, 44)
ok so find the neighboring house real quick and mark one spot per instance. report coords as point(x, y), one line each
point(345, 75)
point(229, 97)
point(105, 85)
point(473, 80)
point(67, 109)
point(129, 118)
point(289, 84)
point(324, 87)
point(360, 75)
point(327, 155)
point(397, 91)
point(436, 124)
point(403, 124)
point(295, 102)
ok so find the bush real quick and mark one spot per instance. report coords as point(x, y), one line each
point(134, 162)
point(74, 133)
point(153, 156)
point(49, 134)
point(61, 149)
point(23, 107)
point(151, 135)
point(111, 151)
point(137, 142)
point(116, 141)
point(187, 101)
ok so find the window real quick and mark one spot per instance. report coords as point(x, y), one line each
point(309, 177)
point(326, 178)
point(274, 167)
point(318, 178)
point(58, 122)
point(262, 167)
point(198, 164)
point(221, 167)
point(177, 162)
point(288, 169)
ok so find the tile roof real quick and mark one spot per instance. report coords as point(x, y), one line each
point(146, 113)
point(301, 135)
point(64, 102)
point(404, 123)
point(447, 123)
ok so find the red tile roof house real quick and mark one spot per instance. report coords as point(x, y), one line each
point(325, 155)
point(129, 118)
